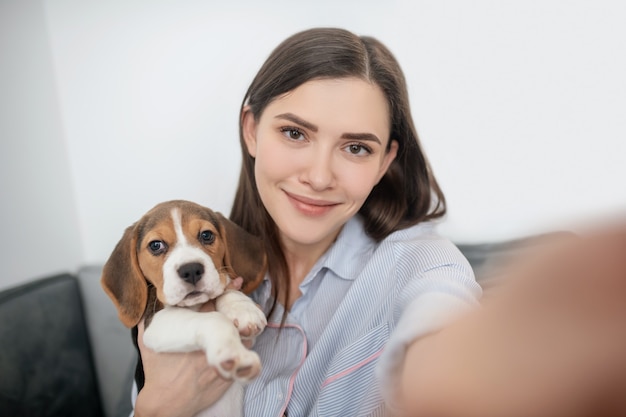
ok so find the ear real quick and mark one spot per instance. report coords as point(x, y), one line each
point(388, 158)
point(123, 280)
point(248, 128)
point(244, 255)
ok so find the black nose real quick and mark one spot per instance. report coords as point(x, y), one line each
point(191, 272)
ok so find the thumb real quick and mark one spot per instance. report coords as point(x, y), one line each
point(235, 283)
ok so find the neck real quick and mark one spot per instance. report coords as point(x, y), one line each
point(300, 264)
point(300, 259)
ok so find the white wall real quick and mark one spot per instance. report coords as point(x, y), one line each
point(519, 104)
point(38, 215)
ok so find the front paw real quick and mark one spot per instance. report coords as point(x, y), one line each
point(240, 364)
point(247, 317)
point(225, 351)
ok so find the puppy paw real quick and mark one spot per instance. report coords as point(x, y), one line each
point(224, 349)
point(247, 317)
point(249, 322)
point(236, 362)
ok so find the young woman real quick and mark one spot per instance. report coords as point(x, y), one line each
point(335, 180)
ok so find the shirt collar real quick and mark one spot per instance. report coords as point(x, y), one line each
point(349, 253)
point(346, 257)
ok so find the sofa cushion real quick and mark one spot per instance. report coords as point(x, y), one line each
point(46, 365)
point(114, 353)
point(487, 259)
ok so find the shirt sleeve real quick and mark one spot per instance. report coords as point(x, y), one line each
point(442, 288)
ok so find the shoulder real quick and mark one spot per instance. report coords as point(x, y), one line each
point(421, 247)
point(421, 262)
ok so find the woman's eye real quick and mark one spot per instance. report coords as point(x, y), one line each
point(292, 133)
point(157, 247)
point(358, 149)
point(207, 237)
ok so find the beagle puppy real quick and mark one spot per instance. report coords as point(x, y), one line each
point(178, 256)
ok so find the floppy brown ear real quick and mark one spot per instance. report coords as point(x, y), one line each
point(244, 254)
point(123, 280)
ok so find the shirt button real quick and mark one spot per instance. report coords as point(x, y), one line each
point(280, 395)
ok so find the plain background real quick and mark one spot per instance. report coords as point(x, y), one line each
point(109, 107)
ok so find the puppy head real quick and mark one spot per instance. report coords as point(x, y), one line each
point(187, 252)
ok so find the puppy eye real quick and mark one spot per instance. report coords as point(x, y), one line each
point(206, 237)
point(157, 247)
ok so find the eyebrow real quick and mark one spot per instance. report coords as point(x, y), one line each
point(310, 126)
point(297, 120)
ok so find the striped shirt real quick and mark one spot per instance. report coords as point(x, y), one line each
point(323, 362)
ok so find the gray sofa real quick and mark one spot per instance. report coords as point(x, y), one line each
point(64, 353)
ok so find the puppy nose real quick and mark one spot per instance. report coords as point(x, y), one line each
point(191, 272)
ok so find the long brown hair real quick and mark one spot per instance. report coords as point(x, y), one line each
point(406, 195)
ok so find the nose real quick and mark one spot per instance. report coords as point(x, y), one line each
point(191, 272)
point(318, 172)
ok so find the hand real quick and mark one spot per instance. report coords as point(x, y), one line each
point(548, 342)
point(178, 384)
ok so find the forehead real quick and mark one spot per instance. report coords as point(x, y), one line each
point(342, 104)
point(166, 216)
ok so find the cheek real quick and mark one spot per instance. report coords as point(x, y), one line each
point(152, 269)
point(224, 279)
point(273, 163)
point(217, 254)
point(358, 181)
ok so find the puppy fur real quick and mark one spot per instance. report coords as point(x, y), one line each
point(178, 256)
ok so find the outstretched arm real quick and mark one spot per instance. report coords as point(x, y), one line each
point(549, 342)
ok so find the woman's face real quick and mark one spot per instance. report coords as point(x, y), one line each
point(319, 150)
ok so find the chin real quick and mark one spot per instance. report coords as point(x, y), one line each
point(312, 235)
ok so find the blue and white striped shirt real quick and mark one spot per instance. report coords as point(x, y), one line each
point(323, 362)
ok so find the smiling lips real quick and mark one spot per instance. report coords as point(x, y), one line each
point(310, 207)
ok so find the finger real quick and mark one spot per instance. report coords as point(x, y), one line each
point(235, 283)
point(140, 330)
point(208, 306)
